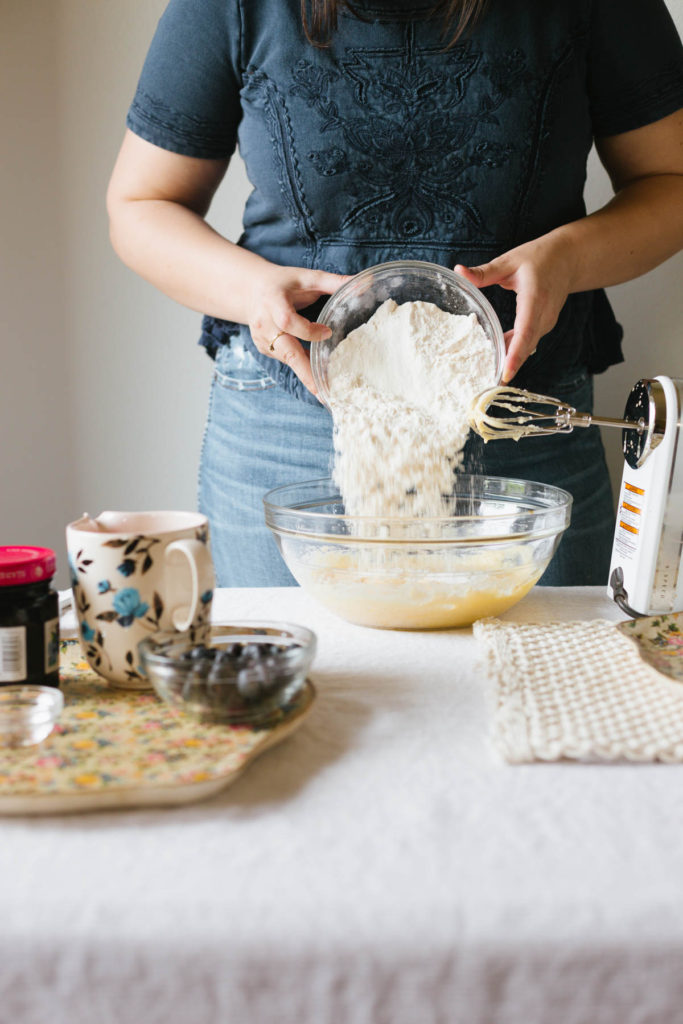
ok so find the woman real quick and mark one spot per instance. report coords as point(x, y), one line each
point(451, 132)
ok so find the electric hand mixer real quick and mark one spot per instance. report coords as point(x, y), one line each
point(646, 572)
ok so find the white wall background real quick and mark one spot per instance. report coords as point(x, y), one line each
point(102, 387)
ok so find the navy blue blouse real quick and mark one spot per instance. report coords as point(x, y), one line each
point(387, 146)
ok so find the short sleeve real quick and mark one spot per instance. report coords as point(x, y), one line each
point(635, 73)
point(187, 98)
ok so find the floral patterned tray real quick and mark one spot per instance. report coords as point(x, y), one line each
point(659, 639)
point(115, 748)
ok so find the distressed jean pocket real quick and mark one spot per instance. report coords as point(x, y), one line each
point(236, 368)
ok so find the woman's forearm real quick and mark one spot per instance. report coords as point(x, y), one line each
point(175, 249)
point(157, 202)
point(636, 231)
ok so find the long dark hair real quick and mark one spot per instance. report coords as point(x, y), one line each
point(319, 17)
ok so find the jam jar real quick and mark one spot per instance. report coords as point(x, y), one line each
point(29, 617)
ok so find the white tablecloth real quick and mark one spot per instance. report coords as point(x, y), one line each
point(382, 865)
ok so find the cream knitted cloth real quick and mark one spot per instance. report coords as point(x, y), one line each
point(578, 690)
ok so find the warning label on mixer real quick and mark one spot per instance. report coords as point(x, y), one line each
point(629, 519)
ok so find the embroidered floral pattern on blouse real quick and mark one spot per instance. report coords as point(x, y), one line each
point(286, 159)
point(409, 142)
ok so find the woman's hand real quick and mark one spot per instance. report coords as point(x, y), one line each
point(541, 273)
point(636, 231)
point(276, 326)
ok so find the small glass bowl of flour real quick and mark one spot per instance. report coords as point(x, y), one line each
point(402, 281)
point(412, 347)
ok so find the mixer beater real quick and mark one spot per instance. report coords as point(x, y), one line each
point(506, 412)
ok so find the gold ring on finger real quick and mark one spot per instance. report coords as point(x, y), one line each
point(271, 347)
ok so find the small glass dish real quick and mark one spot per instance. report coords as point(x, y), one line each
point(403, 281)
point(246, 674)
point(28, 713)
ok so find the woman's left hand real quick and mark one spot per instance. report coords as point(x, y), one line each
point(540, 272)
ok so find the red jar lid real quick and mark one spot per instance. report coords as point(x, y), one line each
point(20, 565)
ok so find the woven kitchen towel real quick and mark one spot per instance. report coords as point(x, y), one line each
point(577, 690)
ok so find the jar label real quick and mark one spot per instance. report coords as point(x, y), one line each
point(51, 645)
point(12, 654)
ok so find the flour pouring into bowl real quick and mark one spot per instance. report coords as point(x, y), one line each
point(400, 390)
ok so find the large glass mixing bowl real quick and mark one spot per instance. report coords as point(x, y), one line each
point(404, 281)
point(419, 573)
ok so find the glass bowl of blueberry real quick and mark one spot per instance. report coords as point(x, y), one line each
point(246, 673)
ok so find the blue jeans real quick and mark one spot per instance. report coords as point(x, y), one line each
point(258, 436)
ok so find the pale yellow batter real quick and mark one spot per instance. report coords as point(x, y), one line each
point(392, 593)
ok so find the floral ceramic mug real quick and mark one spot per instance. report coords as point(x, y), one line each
point(133, 573)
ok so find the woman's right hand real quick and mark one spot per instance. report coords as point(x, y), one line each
point(277, 327)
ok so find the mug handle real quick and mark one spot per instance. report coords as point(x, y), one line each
point(201, 572)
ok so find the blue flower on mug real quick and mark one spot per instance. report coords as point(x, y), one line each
point(127, 567)
point(103, 586)
point(206, 596)
point(87, 632)
point(129, 606)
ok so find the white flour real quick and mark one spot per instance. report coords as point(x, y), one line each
point(400, 392)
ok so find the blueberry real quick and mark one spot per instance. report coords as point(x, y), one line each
point(200, 670)
point(223, 670)
point(251, 680)
point(270, 669)
point(251, 652)
point(198, 652)
point(224, 658)
point(222, 686)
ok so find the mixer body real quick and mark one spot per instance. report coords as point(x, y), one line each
point(646, 571)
